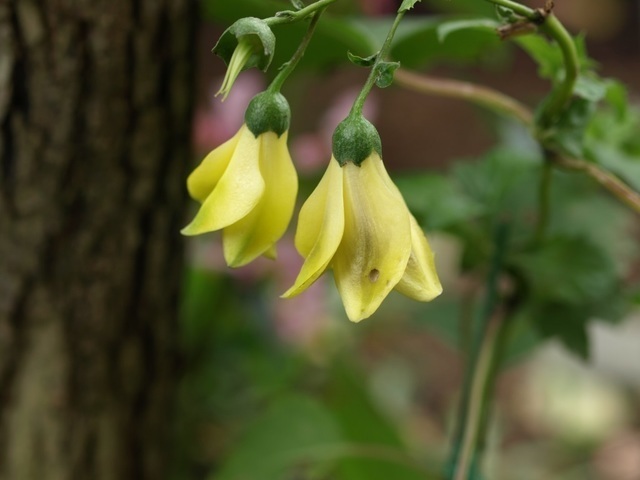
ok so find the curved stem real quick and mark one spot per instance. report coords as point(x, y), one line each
point(550, 25)
point(290, 66)
point(563, 92)
point(291, 16)
point(371, 80)
point(478, 94)
point(613, 184)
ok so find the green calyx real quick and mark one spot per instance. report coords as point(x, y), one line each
point(354, 140)
point(254, 32)
point(268, 112)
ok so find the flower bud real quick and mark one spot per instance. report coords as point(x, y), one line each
point(247, 43)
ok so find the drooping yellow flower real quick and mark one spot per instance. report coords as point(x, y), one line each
point(247, 186)
point(357, 223)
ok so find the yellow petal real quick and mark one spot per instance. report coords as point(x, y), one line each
point(420, 280)
point(204, 178)
point(256, 233)
point(376, 244)
point(320, 228)
point(238, 191)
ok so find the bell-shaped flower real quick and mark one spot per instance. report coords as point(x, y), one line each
point(357, 223)
point(247, 186)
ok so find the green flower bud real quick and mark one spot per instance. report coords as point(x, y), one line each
point(247, 43)
point(354, 140)
point(268, 112)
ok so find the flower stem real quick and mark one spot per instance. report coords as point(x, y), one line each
point(563, 92)
point(481, 369)
point(549, 24)
point(358, 105)
point(478, 94)
point(290, 66)
point(291, 16)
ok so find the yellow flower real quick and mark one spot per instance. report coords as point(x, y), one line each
point(357, 222)
point(248, 185)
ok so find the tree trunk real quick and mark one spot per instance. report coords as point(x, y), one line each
point(94, 115)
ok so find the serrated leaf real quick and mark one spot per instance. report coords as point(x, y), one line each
point(362, 61)
point(407, 5)
point(447, 28)
point(384, 73)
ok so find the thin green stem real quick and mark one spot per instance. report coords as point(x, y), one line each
point(373, 74)
point(290, 66)
point(480, 368)
point(550, 25)
point(478, 94)
point(291, 16)
point(476, 405)
point(563, 92)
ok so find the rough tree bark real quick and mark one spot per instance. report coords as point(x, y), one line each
point(94, 114)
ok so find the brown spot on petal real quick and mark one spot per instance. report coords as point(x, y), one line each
point(374, 275)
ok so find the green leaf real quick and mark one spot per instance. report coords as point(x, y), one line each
point(618, 98)
point(407, 5)
point(501, 181)
point(591, 87)
point(362, 61)
point(436, 201)
point(568, 129)
point(568, 271)
point(363, 424)
point(416, 42)
point(482, 24)
point(567, 324)
point(384, 73)
point(289, 434)
point(549, 57)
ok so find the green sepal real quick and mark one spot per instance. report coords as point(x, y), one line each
point(354, 139)
point(268, 112)
point(384, 73)
point(257, 33)
point(362, 61)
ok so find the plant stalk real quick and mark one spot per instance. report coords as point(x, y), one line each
point(290, 66)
